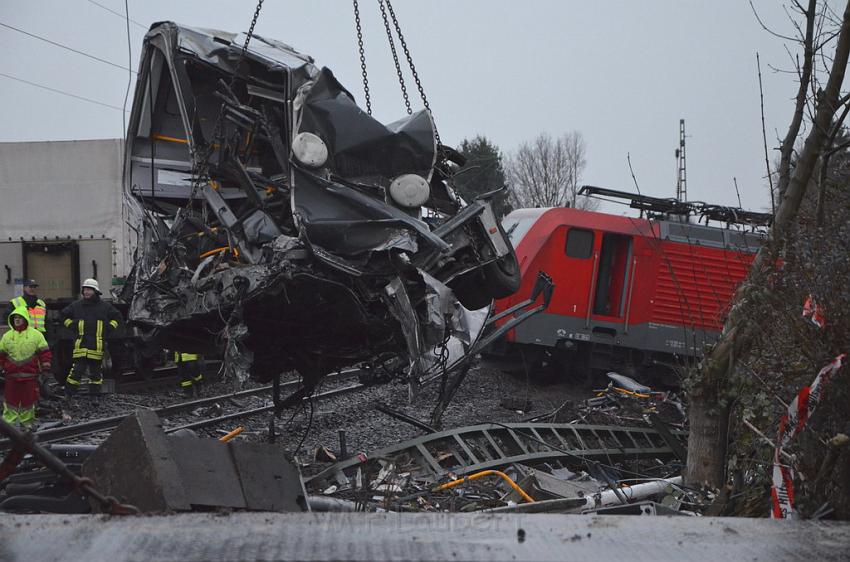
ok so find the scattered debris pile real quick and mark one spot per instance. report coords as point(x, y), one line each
point(510, 467)
point(531, 467)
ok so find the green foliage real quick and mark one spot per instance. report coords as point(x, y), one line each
point(483, 172)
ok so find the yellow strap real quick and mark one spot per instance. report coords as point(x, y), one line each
point(78, 352)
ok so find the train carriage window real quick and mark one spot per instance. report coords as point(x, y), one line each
point(579, 243)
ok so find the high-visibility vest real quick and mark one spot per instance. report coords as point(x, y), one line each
point(37, 313)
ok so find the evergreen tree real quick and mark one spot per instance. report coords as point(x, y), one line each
point(483, 172)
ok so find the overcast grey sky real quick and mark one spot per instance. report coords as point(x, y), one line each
point(621, 72)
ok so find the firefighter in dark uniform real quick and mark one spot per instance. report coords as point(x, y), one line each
point(92, 319)
point(189, 369)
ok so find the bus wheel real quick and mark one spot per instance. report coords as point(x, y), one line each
point(502, 277)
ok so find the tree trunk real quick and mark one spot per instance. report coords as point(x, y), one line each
point(709, 426)
point(710, 388)
point(786, 149)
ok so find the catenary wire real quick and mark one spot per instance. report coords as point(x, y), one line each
point(66, 47)
point(130, 70)
point(62, 92)
point(119, 14)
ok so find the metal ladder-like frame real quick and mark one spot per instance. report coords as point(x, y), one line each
point(480, 447)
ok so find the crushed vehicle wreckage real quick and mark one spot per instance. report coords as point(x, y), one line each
point(288, 229)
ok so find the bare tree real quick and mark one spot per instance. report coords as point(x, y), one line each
point(547, 172)
point(712, 386)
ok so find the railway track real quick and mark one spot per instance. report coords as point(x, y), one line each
point(227, 417)
point(164, 378)
point(74, 431)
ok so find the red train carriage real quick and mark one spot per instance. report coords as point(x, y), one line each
point(632, 293)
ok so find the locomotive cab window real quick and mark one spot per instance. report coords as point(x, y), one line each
point(579, 243)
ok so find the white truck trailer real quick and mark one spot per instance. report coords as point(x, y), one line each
point(62, 216)
point(63, 219)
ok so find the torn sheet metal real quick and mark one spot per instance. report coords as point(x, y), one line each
point(293, 236)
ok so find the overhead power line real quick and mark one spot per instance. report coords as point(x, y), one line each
point(62, 92)
point(129, 63)
point(66, 47)
point(119, 14)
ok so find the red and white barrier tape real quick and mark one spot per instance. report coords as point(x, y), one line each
point(799, 412)
point(814, 312)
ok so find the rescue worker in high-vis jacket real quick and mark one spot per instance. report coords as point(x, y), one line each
point(23, 355)
point(92, 319)
point(36, 307)
point(189, 369)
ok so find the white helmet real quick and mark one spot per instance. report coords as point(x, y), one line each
point(91, 284)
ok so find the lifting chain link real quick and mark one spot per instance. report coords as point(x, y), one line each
point(395, 57)
point(235, 75)
point(216, 137)
point(412, 69)
point(362, 57)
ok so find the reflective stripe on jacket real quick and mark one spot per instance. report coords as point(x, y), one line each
point(37, 313)
point(23, 353)
point(180, 357)
point(92, 320)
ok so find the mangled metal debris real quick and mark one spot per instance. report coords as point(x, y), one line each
point(470, 449)
point(287, 228)
point(565, 468)
point(524, 468)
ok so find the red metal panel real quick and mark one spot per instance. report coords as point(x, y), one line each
point(696, 284)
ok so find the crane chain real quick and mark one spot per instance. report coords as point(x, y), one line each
point(413, 69)
point(203, 168)
point(234, 76)
point(362, 57)
point(395, 57)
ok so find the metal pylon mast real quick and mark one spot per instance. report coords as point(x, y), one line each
point(681, 171)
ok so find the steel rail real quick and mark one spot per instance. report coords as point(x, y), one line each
point(227, 417)
point(55, 434)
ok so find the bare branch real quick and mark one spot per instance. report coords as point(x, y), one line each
point(800, 33)
point(777, 70)
point(547, 172)
point(631, 170)
point(764, 138)
point(753, 8)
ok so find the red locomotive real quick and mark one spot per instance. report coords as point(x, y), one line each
point(632, 294)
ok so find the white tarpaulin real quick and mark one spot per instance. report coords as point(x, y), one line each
point(63, 189)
